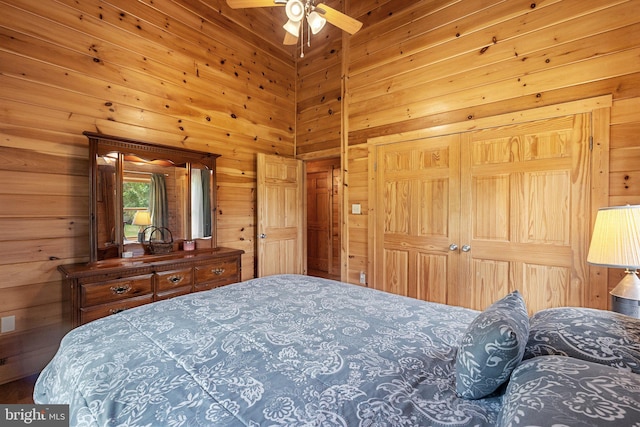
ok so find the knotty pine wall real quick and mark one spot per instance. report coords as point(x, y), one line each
point(191, 74)
point(195, 73)
point(421, 64)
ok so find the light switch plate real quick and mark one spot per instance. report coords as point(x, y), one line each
point(356, 209)
point(7, 324)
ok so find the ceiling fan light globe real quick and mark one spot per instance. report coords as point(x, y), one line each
point(295, 10)
point(292, 27)
point(316, 22)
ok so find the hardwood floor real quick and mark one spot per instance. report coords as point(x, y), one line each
point(19, 391)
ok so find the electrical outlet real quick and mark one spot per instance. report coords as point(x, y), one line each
point(363, 278)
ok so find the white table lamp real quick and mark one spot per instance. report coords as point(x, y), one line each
point(616, 243)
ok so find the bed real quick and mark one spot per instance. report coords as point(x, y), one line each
point(293, 350)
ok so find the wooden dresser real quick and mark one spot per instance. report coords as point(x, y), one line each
point(106, 287)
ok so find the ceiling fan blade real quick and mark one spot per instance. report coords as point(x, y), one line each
point(241, 4)
point(289, 39)
point(338, 19)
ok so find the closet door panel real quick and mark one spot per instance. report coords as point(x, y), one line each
point(491, 207)
point(492, 277)
point(524, 205)
point(396, 270)
point(432, 276)
point(416, 214)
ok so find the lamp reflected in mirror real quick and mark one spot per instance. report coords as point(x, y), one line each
point(143, 220)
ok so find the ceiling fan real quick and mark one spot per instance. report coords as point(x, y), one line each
point(298, 11)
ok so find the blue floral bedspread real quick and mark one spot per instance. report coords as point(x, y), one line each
point(278, 351)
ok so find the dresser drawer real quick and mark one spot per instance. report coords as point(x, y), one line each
point(92, 313)
point(169, 280)
point(115, 290)
point(216, 273)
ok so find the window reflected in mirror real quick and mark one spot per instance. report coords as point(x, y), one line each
point(153, 195)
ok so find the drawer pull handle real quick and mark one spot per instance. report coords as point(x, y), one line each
point(119, 290)
point(116, 310)
point(218, 271)
point(175, 279)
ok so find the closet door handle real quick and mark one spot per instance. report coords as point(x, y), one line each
point(453, 247)
point(466, 248)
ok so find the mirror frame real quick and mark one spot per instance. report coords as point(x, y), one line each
point(100, 145)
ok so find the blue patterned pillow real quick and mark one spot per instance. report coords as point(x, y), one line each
point(563, 391)
point(599, 336)
point(492, 347)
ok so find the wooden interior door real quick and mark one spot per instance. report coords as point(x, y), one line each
point(281, 216)
point(526, 212)
point(323, 217)
point(319, 221)
point(418, 210)
point(466, 218)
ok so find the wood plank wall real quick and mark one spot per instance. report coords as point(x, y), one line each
point(420, 64)
point(194, 73)
point(171, 72)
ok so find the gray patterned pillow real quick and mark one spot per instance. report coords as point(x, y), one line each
point(492, 347)
point(589, 334)
point(563, 391)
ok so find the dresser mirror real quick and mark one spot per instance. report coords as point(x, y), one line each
point(142, 192)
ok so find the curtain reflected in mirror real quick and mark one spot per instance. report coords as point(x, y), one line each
point(200, 203)
point(158, 201)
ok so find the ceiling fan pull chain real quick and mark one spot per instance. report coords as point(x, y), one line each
point(301, 41)
point(307, 10)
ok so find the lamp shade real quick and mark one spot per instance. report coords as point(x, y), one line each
point(141, 218)
point(616, 238)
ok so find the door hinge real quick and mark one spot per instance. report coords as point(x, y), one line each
point(591, 143)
